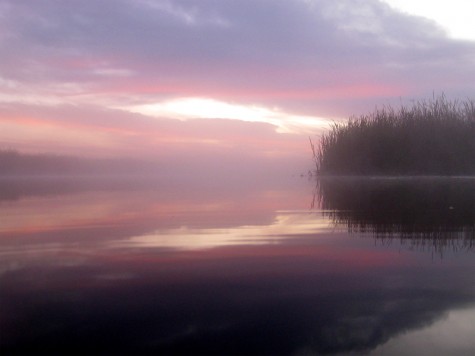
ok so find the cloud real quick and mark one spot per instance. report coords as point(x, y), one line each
point(298, 60)
point(455, 18)
point(180, 146)
point(247, 50)
point(193, 108)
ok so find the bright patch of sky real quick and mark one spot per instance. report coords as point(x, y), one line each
point(201, 108)
point(455, 16)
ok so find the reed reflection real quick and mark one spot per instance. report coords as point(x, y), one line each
point(436, 213)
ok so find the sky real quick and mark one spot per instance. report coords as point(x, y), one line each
point(220, 84)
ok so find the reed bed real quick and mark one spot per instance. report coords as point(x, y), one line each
point(435, 137)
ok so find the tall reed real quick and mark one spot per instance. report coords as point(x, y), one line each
point(435, 137)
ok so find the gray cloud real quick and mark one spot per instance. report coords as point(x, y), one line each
point(254, 50)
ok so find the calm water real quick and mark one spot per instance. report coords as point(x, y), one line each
point(344, 266)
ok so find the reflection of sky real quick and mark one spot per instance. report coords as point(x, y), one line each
point(451, 335)
point(236, 203)
point(148, 270)
point(284, 225)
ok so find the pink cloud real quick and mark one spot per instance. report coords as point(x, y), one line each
point(195, 144)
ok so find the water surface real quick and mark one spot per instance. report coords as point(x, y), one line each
point(276, 266)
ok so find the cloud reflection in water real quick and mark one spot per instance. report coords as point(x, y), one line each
point(284, 226)
point(254, 272)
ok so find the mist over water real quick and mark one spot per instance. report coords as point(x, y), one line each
point(251, 265)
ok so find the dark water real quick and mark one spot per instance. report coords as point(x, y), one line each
point(345, 266)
